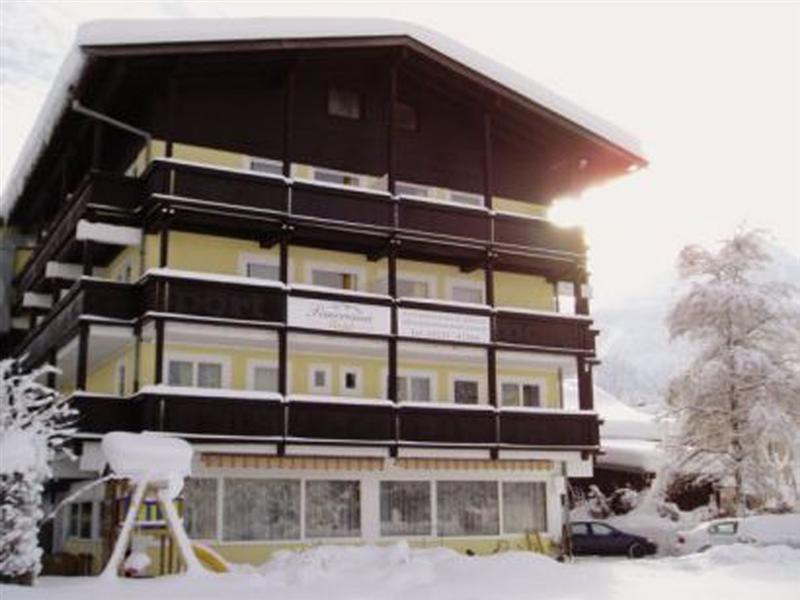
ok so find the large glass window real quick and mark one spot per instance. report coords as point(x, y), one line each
point(524, 506)
point(80, 520)
point(405, 508)
point(414, 388)
point(333, 509)
point(467, 508)
point(261, 509)
point(334, 279)
point(465, 391)
point(200, 508)
point(265, 378)
point(521, 394)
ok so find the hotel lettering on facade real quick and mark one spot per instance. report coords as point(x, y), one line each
point(321, 256)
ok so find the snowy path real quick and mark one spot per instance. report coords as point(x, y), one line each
point(397, 573)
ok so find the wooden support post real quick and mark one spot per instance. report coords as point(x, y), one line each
point(487, 160)
point(83, 356)
point(581, 300)
point(585, 386)
point(391, 102)
point(163, 250)
point(288, 114)
point(159, 354)
point(88, 261)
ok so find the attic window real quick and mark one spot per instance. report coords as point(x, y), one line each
point(405, 117)
point(344, 103)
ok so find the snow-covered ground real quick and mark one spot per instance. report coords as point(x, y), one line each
point(397, 572)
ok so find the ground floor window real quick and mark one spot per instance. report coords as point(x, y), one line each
point(405, 508)
point(80, 520)
point(467, 508)
point(261, 509)
point(333, 509)
point(524, 506)
point(200, 508)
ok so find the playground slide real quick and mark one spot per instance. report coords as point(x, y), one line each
point(210, 558)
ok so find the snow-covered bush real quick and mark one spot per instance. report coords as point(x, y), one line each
point(597, 503)
point(623, 500)
point(34, 424)
point(732, 413)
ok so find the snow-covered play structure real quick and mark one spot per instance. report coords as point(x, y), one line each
point(156, 466)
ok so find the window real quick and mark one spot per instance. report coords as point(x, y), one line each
point(265, 165)
point(524, 507)
point(465, 391)
point(410, 288)
point(344, 103)
point(727, 528)
point(195, 373)
point(259, 270)
point(410, 189)
point(121, 379)
point(580, 529)
point(467, 508)
point(465, 198)
point(334, 279)
point(521, 394)
point(350, 384)
point(333, 509)
point(337, 177)
point(414, 388)
point(264, 378)
point(261, 509)
point(80, 520)
point(180, 373)
point(600, 529)
point(470, 292)
point(209, 375)
point(320, 379)
point(405, 507)
point(200, 508)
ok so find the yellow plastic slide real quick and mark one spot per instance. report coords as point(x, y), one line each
point(210, 558)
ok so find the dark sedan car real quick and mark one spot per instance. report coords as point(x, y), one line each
point(599, 539)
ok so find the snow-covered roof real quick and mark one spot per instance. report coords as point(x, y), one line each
point(121, 32)
point(639, 455)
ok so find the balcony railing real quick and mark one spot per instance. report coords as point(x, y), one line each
point(318, 421)
point(209, 297)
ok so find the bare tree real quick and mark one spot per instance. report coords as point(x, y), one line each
point(734, 412)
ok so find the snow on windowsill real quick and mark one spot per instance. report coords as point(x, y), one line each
point(544, 410)
point(306, 287)
point(175, 390)
point(448, 406)
point(350, 400)
point(341, 186)
point(216, 167)
point(448, 203)
point(540, 313)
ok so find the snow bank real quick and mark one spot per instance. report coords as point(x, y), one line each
point(137, 456)
point(20, 451)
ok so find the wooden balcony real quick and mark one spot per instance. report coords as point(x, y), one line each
point(237, 419)
point(112, 197)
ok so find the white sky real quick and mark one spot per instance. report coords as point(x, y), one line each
point(712, 90)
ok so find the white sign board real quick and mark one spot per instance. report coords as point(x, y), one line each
point(443, 326)
point(334, 315)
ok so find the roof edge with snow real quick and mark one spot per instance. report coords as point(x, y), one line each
point(127, 32)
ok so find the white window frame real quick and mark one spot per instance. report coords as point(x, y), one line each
point(359, 389)
point(249, 160)
point(540, 382)
point(267, 260)
point(255, 363)
point(327, 368)
point(448, 195)
point(431, 375)
point(428, 189)
point(359, 272)
point(195, 359)
point(361, 180)
point(471, 377)
point(453, 282)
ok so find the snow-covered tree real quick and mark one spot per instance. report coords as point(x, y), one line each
point(35, 422)
point(734, 412)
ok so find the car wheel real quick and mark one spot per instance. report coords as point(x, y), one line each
point(703, 549)
point(636, 550)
